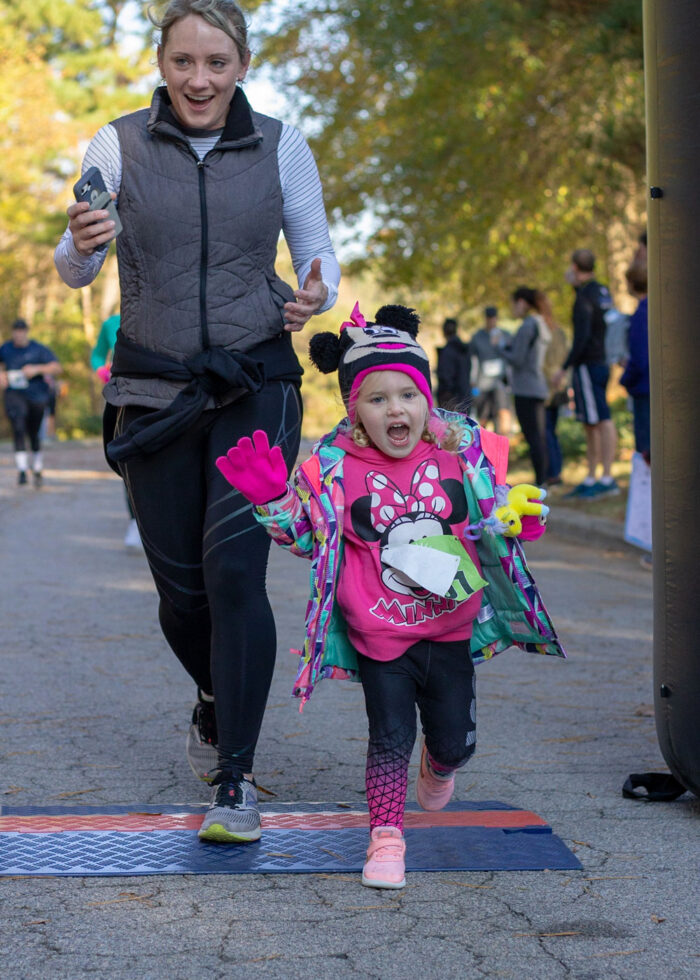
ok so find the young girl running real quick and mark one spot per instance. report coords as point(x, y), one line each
point(404, 512)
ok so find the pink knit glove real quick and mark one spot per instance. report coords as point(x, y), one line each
point(257, 471)
point(104, 374)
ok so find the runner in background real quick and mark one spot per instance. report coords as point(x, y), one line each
point(100, 362)
point(25, 366)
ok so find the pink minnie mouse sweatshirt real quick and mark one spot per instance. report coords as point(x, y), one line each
point(389, 503)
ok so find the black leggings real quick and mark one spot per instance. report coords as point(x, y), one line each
point(440, 679)
point(208, 557)
point(532, 420)
point(25, 417)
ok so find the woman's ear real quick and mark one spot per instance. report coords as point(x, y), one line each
point(245, 65)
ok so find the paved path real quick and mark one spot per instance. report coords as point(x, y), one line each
point(95, 709)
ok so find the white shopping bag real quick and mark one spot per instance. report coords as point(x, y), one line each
point(422, 567)
point(638, 519)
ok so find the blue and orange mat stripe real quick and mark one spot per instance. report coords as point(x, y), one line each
point(299, 838)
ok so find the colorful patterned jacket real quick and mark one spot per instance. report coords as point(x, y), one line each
point(308, 520)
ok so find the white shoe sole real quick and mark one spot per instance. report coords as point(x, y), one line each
point(370, 883)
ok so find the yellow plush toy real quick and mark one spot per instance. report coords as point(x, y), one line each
point(521, 499)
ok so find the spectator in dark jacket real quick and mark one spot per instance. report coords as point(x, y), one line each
point(453, 370)
point(591, 373)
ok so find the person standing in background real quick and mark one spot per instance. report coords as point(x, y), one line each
point(558, 396)
point(100, 362)
point(635, 377)
point(489, 377)
point(591, 373)
point(25, 366)
point(101, 354)
point(453, 370)
point(526, 354)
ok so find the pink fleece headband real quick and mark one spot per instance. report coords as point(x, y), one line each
point(413, 373)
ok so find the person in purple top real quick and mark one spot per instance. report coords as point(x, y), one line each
point(635, 377)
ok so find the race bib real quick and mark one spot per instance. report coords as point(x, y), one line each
point(492, 368)
point(17, 380)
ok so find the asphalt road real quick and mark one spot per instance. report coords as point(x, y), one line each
point(95, 709)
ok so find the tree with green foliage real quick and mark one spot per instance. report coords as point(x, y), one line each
point(66, 72)
point(485, 139)
point(64, 76)
point(464, 146)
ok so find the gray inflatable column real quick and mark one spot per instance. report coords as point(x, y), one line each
point(672, 78)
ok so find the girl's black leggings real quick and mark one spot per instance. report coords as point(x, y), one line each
point(437, 677)
point(208, 557)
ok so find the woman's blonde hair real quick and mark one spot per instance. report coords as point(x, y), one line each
point(224, 14)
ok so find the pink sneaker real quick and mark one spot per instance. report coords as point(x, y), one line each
point(432, 792)
point(385, 866)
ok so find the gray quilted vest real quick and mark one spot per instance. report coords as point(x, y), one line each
point(197, 253)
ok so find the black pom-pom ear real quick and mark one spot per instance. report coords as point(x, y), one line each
point(399, 317)
point(324, 351)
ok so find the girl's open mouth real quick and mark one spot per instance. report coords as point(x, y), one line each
point(398, 433)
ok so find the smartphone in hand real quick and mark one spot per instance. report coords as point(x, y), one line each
point(91, 188)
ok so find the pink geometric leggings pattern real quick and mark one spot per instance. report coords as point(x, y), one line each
point(439, 679)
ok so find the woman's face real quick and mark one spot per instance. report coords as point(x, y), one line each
point(200, 65)
point(519, 307)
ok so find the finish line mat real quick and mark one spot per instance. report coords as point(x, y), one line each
point(300, 838)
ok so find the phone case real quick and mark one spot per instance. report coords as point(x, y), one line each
point(91, 188)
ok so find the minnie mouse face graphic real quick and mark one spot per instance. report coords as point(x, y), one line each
point(406, 530)
point(390, 517)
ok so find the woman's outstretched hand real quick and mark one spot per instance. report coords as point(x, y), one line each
point(308, 300)
point(254, 469)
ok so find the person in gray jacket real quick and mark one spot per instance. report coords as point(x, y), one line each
point(204, 186)
point(490, 385)
point(526, 354)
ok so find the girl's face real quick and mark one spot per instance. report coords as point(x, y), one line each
point(393, 412)
point(200, 65)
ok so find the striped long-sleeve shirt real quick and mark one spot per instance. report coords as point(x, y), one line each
point(305, 226)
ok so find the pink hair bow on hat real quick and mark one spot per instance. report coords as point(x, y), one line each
point(425, 496)
point(356, 318)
